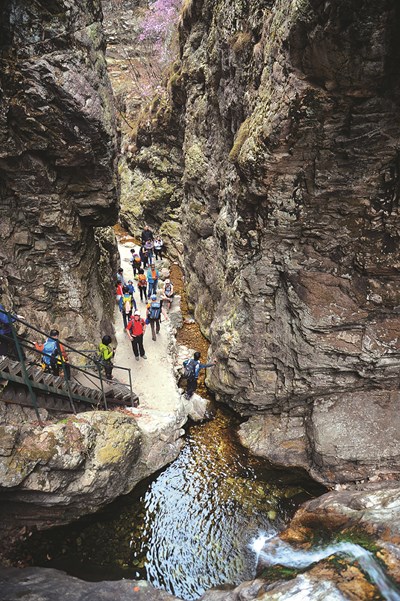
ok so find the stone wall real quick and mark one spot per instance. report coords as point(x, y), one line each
point(58, 177)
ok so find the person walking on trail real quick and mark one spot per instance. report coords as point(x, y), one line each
point(135, 261)
point(126, 305)
point(149, 245)
point(158, 247)
point(147, 234)
point(142, 285)
point(118, 292)
point(167, 294)
point(131, 290)
point(191, 372)
point(7, 343)
point(152, 279)
point(120, 277)
point(135, 330)
point(106, 353)
point(54, 355)
point(154, 310)
point(144, 256)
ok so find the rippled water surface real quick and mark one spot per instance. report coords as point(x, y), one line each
point(189, 528)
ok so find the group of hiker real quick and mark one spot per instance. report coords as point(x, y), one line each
point(147, 276)
point(158, 302)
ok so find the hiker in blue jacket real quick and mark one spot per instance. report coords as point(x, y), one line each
point(7, 344)
point(192, 370)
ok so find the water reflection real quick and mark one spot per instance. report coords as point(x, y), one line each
point(190, 529)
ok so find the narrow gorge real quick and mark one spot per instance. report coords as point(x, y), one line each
point(260, 139)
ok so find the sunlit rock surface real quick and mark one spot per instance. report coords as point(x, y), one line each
point(57, 163)
point(54, 474)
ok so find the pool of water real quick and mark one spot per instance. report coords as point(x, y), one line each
point(190, 527)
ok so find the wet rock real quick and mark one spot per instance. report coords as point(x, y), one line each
point(280, 438)
point(375, 511)
point(333, 444)
point(197, 408)
point(53, 585)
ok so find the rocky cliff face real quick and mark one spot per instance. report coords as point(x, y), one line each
point(291, 220)
point(57, 164)
point(150, 166)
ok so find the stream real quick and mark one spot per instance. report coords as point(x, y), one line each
point(271, 550)
point(190, 527)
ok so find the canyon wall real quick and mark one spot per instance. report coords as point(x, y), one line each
point(58, 171)
point(151, 160)
point(290, 222)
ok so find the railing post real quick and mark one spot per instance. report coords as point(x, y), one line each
point(24, 372)
point(130, 386)
point(59, 355)
point(99, 366)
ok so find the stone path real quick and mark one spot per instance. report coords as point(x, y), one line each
point(152, 379)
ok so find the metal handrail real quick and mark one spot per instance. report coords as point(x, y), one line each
point(30, 345)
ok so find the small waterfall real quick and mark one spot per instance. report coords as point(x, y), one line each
point(274, 551)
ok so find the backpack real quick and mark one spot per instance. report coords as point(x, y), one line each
point(126, 300)
point(137, 259)
point(155, 310)
point(142, 282)
point(189, 370)
point(49, 350)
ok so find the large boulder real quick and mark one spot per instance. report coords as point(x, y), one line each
point(346, 438)
point(54, 474)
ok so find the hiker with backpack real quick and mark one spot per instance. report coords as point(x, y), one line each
point(54, 355)
point(135, 261)
point(158, 246)
point(131, 290)
point(126, 304)
point(154, 310)
point(144, 256)
point(142, 285)
point(152, 279)
point(106, 353)
point(191, 372)
point(167, 294)
point(7, 343)
point(135, 330)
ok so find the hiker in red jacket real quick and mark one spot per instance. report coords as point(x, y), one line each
point(135, 330)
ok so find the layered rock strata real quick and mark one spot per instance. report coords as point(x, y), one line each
point(57, 163)
point(291, 221)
